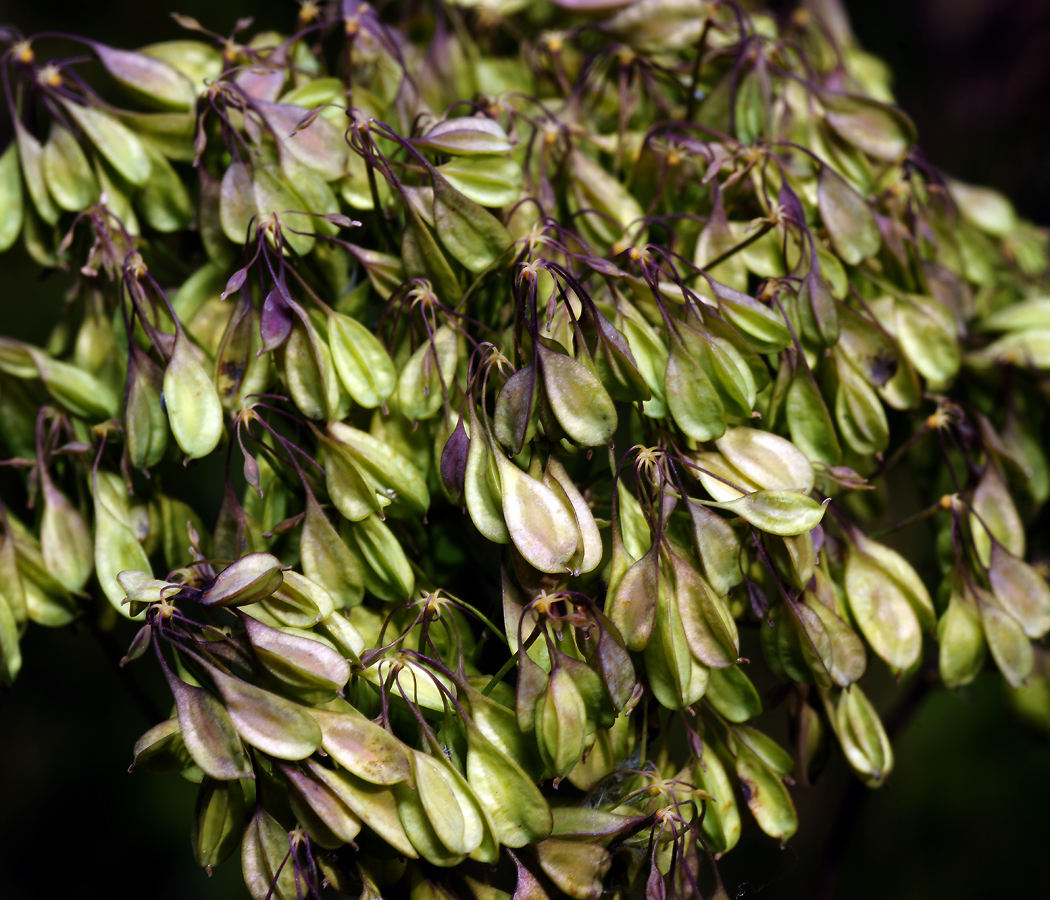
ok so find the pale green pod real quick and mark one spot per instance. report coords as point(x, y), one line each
point(579, 401)
point(65, 541)
point(426, 379)
point(361, 362)
point(11, 208)
point(68, 174)
point(117, 143)
point(194, 410)
point(116, 547)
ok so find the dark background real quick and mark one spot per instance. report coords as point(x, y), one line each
point(965, 812)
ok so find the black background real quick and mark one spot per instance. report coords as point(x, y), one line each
point(965, 813)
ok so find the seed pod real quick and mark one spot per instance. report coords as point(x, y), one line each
point(427, 378)
point(676, 678)
point(145, 423)
point(327, 819)
point(164, 202)
point(769, 461)
point(482, 484)
point(361, 362)
point(298, 658)
point(306, 368)
point(362, 747)
point(161, 749)
point(691, 398)
point(1021, 591)
point(251, 578)
point(731, 692)
point(326, 559)
point(218, 821)
point(767, 798)
point(518, 811)
point(709, 628)
point(1011, 649)
point(592, 187)
point(67, 172)
point(560, 721)
point(863, 739)
point(776, 512)
point(858, 411)
point(65, 541)
point(298, 602)
point(11, 208)
point(577, 398)
point(268, 873)
point(492, 181)
point(465, 136)
point(721, 824)
point(208, 731)
point(266, 721)
point(79, 392)
point(809, 421)
point(961, 640)
point(471, 234)
point(117, 144)
point(193, 406)
point(850, 223)
point(632, 604)
point(116, 547)
point(385, 569)
point(575, 867)
point(30, 155)
point(146, 78)
point(994, 515)
point(375, 805)
point(10, 652)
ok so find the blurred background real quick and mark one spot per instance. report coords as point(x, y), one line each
point(964, 814)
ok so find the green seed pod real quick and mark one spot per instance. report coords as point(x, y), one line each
point(194, 410)
point(11, 208)
point(575, 867)
point(850, 223)
point(994, 516)
point(1020, 590)
point(784, 513)
point(676, 678)
point(519, 813)
point(265, 720)
point(373, 804)
point(809, 421)
point(116, 143)
point(882, 608)
point(218, 822)
point(1010, 647)
point(264, 859)
point(361, 362)
point(692, 400)
point(208, 732)
point(731, 692)
point(472, 235)
point(30, 154)
point(161, 749)
point(298, 658)
point(961, 640)
point(116, 547)
point(767, 797)
point(239, 369)
point(427, 378)
point(579, 402)
point(384, 567)
point(10, 652)
point(560, 721)
point(482, 484)
point(65, 541)
point(326, 559)
point(306, 368)
point(328, 820)
point(362, 747)
point(594, 188)
point(149, 79)
point(67, 172)
point(466, 136)
point(863, 739)
point(721, 823)
point(79, 392)
point(709, 628)
point(318, 145)
point(398, 481)
point(164, 202)
point(487, 180)
point(251, 578)
point(632, 603)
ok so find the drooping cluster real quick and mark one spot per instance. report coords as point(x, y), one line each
point(561, 357)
